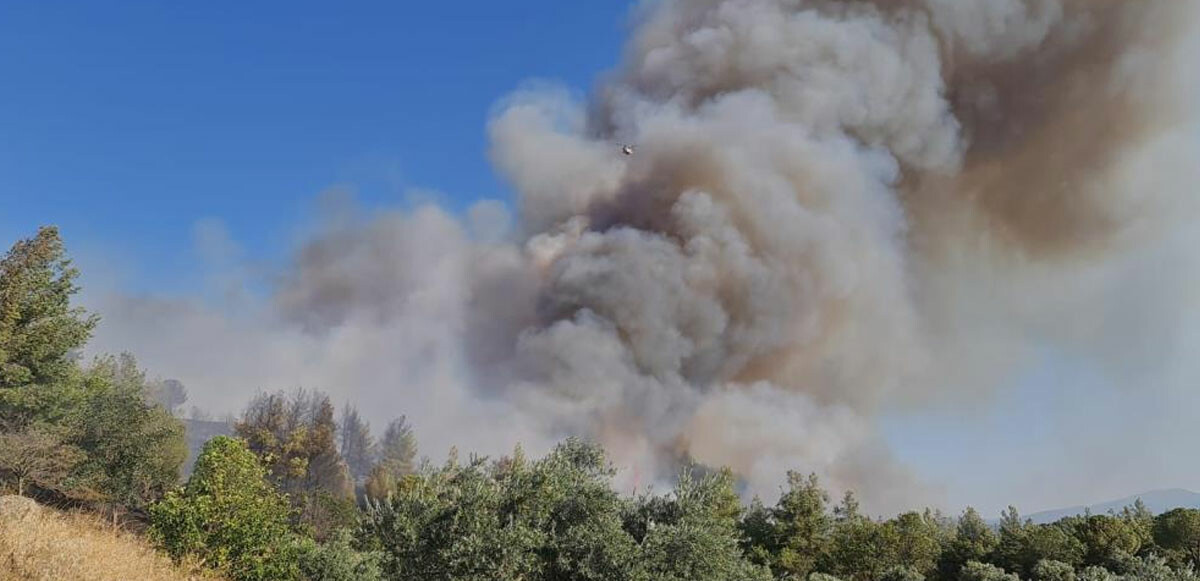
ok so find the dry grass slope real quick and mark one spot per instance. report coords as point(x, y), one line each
point(38, 544)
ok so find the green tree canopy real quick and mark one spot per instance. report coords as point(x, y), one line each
point(229, 516)
point(794, 535)
point(1108, 540)
point(398, 449)
point(1023, 544)
point(38, 325)
point(973, 540)
point(511, 519)
point(976, 571)
point(295, 437)
point(1178, 533)
point(692, 533)
point(134, 449)
point(1047, 570)
point(555, 518)
point(39, 329)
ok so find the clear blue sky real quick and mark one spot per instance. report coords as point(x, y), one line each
point(126, 122)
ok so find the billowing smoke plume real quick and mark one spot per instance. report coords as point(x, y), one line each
point(833, 209)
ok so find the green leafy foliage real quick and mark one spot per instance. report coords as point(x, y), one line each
point(1178, 533)
point(337, 560)
point(1047, 570)
point(398, 449)
point(505, 520)
point(134, 449)
point(38, 326)
point(1095, 574)
point(691, 533)
point(295, 437)
point(98, 438)
point(279, 503)
point(902, 573)
point(973, 540)
point(1155, 568)
point(555, 518)
point(1022, 544)
point(792, 536)
point(1108, 540)
point(821, 577)
point(229, 517)
point(915, 542)
point(860, 546)
point(976, 571)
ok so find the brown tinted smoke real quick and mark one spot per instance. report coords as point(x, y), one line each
point(834, 208)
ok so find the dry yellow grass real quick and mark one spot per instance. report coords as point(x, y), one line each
point(40, 544)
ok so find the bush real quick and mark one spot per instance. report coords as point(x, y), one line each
point(976, 571)
point(1153, 568)
point(337, 560)
point(902, 573)
point(1049, 570)
point(1095, 574)
point(229, 517)
point(822, 577)
point(555, 518)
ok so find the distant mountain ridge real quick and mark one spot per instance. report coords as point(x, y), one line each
point(1157, 501)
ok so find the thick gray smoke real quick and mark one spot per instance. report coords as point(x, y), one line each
point(834, 209)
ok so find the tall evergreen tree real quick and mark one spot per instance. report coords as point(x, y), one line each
point(793, 536)
point(973, 540)
point(357, 444)
point(398, 450)
point(327, 470)
point(39, 329)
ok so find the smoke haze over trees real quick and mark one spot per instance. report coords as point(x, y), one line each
point(836, 212)
point(84, 434)
point(773, 229)
point(276, 503)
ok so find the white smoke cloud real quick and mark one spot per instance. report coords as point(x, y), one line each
point(835, 209)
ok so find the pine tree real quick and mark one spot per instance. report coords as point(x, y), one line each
point(39, 329)
point(398, 451)
point(357, 445)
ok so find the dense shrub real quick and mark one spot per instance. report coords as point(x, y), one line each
point(555, 518)
point(976, 571)
point(337, 560)
point(229, 517)
point(1047, 570)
